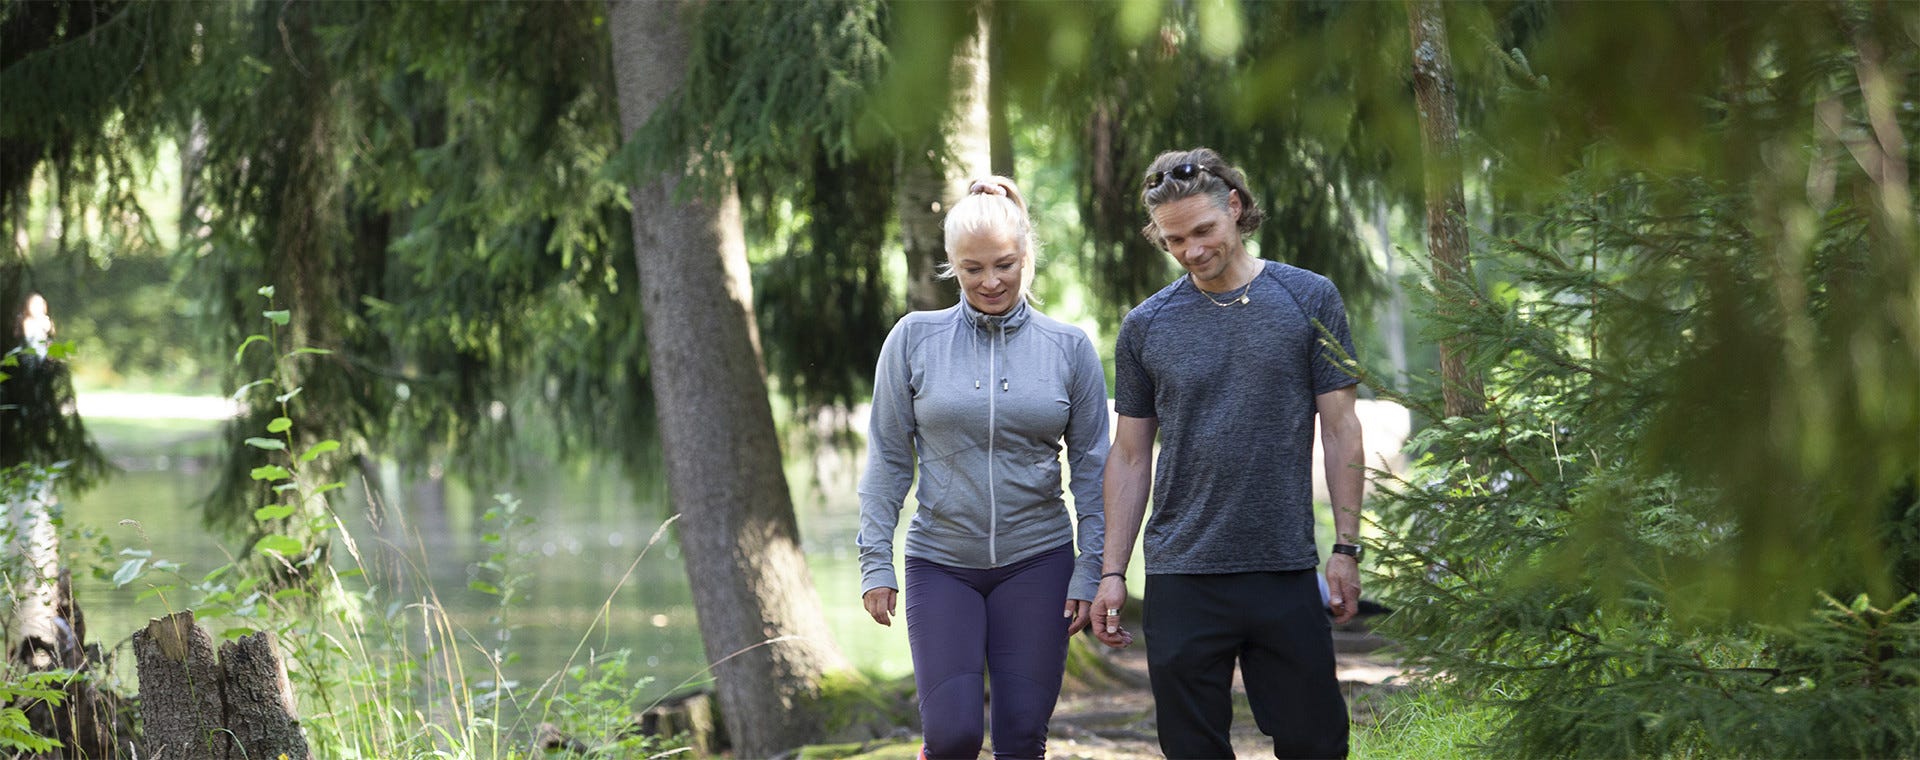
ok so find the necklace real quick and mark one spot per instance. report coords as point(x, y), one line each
point(1239, 299)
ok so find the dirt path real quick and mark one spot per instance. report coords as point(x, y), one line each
point(1116, 722)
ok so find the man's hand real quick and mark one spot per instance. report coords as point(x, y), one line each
point(1343, 587)
point(1106, 613)
point(880, 604)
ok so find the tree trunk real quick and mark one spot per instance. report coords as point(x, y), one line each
point(760, 617)
point(934, 173)
point(33, 551)
point(1396, 311)
point(1446, 202)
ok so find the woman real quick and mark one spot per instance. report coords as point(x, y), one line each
point(983, 394)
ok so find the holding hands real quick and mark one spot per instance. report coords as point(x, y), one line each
point(1106, 613)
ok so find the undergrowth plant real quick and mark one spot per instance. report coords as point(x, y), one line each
point(380, 667)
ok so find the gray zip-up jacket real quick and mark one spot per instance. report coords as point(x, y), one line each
point(984, 402)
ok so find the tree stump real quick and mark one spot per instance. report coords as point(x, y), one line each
point(260, 709)
point(196, 706)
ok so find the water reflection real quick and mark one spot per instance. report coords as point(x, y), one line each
point(594, 582)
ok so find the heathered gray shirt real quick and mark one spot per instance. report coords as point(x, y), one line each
point(1233, 388)
point(984, 402)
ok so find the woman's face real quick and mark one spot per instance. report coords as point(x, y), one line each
point(988, 265)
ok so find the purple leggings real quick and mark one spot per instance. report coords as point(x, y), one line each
point(965, 625)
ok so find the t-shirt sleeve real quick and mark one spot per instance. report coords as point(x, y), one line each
point(1132, 386)
point(1329, 367)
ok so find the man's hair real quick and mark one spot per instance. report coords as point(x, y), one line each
point(1217, 181)
point(985, 212)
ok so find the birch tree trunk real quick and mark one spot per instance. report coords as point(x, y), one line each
point(760, 618)
point(1446, 201)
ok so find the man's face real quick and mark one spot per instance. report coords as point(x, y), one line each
point(1202, 236)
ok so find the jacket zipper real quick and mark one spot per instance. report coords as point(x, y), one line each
point(993, 421)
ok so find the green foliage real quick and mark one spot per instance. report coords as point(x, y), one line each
point(16, 733)
point(1555, 558)
point(1308, 102)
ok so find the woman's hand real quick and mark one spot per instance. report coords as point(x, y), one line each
point(879, 604)
point(1080, 612)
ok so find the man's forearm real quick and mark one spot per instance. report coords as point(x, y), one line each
point(1346, 480)
point(1128, 478)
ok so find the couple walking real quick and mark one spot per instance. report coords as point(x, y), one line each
point(1227, 367)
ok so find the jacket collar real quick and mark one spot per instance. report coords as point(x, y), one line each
point(1008, 322)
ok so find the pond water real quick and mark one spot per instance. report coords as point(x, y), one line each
point(592, 581)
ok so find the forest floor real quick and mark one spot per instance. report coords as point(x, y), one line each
point(1114, 721)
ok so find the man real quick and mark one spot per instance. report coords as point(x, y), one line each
point(1228, 366)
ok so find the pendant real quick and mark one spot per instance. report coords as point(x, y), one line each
point(1243, 299)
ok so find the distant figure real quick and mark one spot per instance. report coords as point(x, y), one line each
point(984, 394)
point(36, 325)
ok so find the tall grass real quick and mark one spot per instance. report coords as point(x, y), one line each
point(1423, 723)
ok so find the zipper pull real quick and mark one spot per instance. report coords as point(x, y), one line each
point(1003, 385)
point(976, 384)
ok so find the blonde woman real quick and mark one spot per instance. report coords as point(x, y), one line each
point(984, 394)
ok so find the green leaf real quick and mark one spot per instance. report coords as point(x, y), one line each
point(251, 339)
point(16, 732)
point(299, 351)
point(484, 587)
point(281, 545)
point(128, 571)
point(280, 317)
point(274, 512)
point(215, 574)
point(318, 449)
point(269, 444)
point(279, 425)
point(288, 396)
point(265, 290)
point(271, 472)
point(328, 487)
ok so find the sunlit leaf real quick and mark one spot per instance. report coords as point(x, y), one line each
point(128, 571)
point(270, 472)
point(318, 449)
point(277, 544)
point(274, 512)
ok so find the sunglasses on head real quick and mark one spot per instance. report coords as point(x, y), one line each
point(1182, 172)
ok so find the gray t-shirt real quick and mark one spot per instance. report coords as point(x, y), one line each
point(1234, 390)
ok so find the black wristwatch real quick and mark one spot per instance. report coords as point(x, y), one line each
point(1351, 550)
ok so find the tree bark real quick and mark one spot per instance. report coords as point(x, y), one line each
point(934, 174)
point(260, 709)
point(179, 689)
point(1446, 201)
point(760, 618)
point(33, 629)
